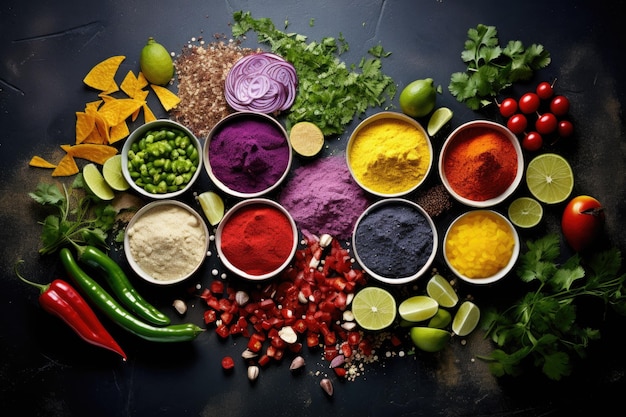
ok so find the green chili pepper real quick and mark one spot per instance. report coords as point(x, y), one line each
point(107, 304)
point(121, 286)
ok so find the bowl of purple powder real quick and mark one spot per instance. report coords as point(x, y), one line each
point(395, 241)
point(247, 154)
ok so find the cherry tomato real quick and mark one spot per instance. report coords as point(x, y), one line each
point(559, 105)
point(529, 103)
point(545, 90)
point(546, 123)
point(582, 222)
point(508, 107)
point(532, 141)
point(565, 128)
point(517, 123)
point(228, 362)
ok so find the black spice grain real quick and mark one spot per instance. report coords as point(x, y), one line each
point(435, 201)
point(201, 70)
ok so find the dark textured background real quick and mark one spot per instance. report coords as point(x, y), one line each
point(48, 47)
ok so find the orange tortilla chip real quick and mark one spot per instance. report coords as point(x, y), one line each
point(148, 116)
point(91, 152)
point(141, 95)
point(168, 99)
point(67, 166)
point(118, 132)
point(141, 79)
point(116, 111)
point(102, 76)
point(85, 123)
point(92, 106)
point(133, 86)
point(39, 162)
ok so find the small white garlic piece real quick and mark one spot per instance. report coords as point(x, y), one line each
point(180, 306)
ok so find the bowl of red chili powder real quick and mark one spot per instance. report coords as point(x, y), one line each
point(256, 239)
point(247, 154)
point(481, 163)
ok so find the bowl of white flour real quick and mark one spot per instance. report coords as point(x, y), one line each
point(166, 242)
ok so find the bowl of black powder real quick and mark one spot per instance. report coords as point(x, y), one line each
point(395, 241)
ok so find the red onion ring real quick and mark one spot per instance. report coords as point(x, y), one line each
point(261, 82)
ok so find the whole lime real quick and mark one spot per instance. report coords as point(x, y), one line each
point(418, 98)
point(156, 63)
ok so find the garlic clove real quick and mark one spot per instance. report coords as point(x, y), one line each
point(297, 363)
point(180, 306)
point(253, 372)
point(327, 386)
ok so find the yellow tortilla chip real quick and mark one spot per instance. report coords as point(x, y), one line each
point(148, 116)
point(118, 110)
point(92, 106)
point(168, 99)
point(118, 132)
point(66, 167)
point(102, 76)
point(91, 152)
point(141, 79)
point(141, 95)
point(39, 162)
point(85, 123)
point(132, 86)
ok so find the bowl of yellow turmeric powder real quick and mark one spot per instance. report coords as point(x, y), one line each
point(481, 246)
point(481, 163)
point(389, 154)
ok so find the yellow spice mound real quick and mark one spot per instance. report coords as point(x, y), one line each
point(479, 244)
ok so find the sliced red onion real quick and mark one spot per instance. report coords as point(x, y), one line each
point(261, 82)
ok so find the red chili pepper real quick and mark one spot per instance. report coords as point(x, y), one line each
point(60, 299)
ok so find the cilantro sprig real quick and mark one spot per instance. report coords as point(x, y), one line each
point(491, 68)
point(330, 93)
point(79, 218)
point(542, 328)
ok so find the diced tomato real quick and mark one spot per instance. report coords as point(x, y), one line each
point(266, 304)
point(354, 338)
point(264, 360)
point(228, 362)
point(222, 330)
point(295, 347)
point(346, 349)
point(217, 287)
point(330, 339)
point(210, 316)
point(340, 371)
point(255, 343)
point(330, 352)
point(212, 302)
point(226, 317)
point(365, 347)
point(312, 339)
point(299, 326)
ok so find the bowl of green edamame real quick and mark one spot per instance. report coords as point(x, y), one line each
point(161, 159)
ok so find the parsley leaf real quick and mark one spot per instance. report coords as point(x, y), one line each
point(330, 94)
point(491, 68)
point(542, 327)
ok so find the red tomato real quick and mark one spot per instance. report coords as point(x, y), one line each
point(532, 141)
point(545, 90)
point(565, 128)
point(517, 123)
point(529, 103)
point(559, 105)
point(508, 107)
point(228, 362)
point(546, 123)
point(582, 221)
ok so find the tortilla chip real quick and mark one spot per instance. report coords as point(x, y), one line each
point(39, 162)
point(168, 99)
point(148, 116)
point(116, 111)
point(91, 152)
point(141, 95)
point(67, 166)
point(118, 132)
point(85, 122)
point(92, 106)
point(133, 86)
point(102, 76)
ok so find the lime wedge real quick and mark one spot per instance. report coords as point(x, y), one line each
point(418, 308)
point(96, 184)
point(212, 206)
point(374, 308)
point(525, 212)
point(112, 173)
point(441, 319)
point(441, 291)
point(466, 319)
point(438, 119)
point(550, 178)
point(429, 339)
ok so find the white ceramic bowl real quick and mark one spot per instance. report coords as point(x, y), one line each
point(501, 273)
point(166, 256)
point(389, 116)
point(231, 264)
point(366, 264)
point(141, 132)
point(231, 120)
point(489, 126)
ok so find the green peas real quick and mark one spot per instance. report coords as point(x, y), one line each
point(163, 160)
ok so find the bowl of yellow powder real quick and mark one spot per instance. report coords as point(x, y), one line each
point(389, 154)
point(481, 246)
point(481, 163)
point(166, 242)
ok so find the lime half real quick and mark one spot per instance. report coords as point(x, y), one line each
point(525, 212)
point(429, 339)
point(112, 173)
point(550, 178)
point(438, 119)
point(466, 319)
point(374, 308)
point(212, 206)
point(441, 291)
point(96, 183)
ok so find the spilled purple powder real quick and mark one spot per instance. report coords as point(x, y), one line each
point(322, 197)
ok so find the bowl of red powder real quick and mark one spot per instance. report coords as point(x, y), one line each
point(256, 239)
point(481, 163)
point(247, 154)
